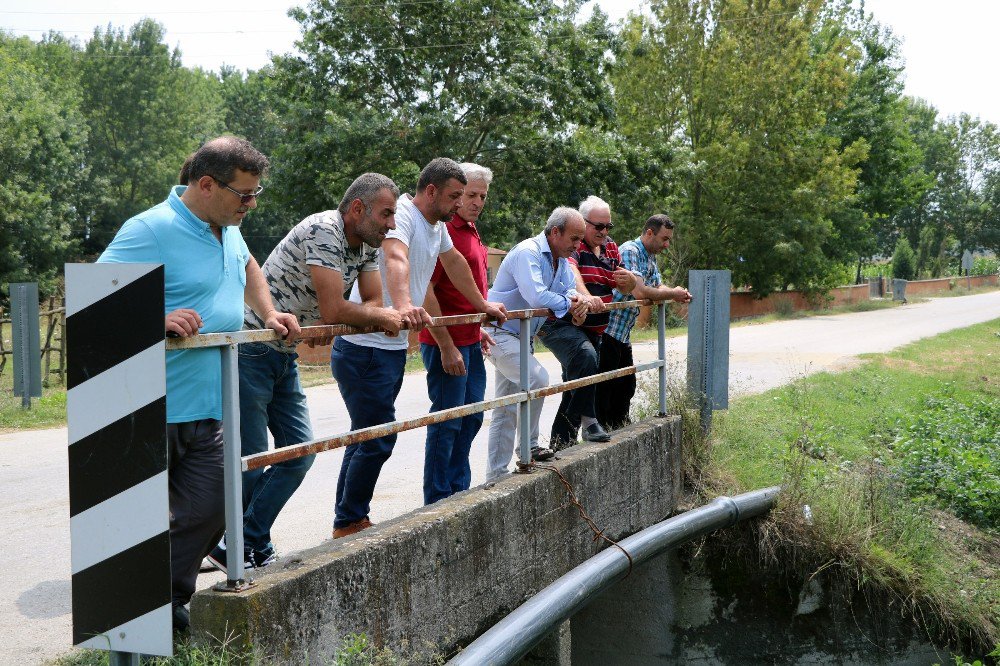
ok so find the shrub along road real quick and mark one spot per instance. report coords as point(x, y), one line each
point(34, 514)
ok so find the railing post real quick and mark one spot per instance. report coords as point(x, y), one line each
point(524, 408)
point(233, 470)
point(661, 325)
point(123, 658)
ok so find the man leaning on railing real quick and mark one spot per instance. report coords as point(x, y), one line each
point(614, 397)
point(369, 367)
point(535, 274)
point(209, 273)
point(453, 356)
point(597, 270)
point(309, 273)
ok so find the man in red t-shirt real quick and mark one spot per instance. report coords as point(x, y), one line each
point(453, 356)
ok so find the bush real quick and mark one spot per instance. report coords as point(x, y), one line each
point(950, 454)
point(904, 264)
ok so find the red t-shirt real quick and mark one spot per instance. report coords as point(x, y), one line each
point(466, 239)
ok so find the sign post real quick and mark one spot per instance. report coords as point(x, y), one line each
point(118, 497)
point(27, 354)
point(708, 341)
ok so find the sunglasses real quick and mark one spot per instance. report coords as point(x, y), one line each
point(600, 226)
point(244, 197)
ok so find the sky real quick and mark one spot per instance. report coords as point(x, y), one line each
point(948, 47)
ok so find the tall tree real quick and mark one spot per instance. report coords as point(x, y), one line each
point(891, 176)
point(746, 88)
point(516, 85)
point(146, 114)
point(42, 164)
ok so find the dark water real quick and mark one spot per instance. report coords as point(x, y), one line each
point(701, 610)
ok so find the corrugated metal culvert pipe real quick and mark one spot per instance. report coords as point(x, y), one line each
point(515, 635)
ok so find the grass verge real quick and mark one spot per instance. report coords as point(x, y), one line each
point(887, 457)
point(355, 650)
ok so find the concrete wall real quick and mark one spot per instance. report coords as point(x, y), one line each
point(435, 578)
point(921, 287)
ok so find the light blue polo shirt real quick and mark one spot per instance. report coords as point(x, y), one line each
point(200, 273)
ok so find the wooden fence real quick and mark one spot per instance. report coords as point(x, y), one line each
point(52, 326)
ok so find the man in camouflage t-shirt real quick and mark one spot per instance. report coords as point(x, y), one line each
point(310, 273)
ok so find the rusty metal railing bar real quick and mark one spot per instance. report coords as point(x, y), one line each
point(263, 459)
point(310, 332)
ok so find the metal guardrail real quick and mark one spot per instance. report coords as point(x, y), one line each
point(515, 635)
point(235, 464)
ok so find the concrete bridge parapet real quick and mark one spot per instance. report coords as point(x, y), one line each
point(432, 580)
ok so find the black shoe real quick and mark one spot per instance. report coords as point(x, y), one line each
point(595, 433)
point(538, 454)
point(252, 558)
point(182, 619)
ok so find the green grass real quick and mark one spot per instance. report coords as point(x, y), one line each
point(354, 650)
point(867, 450)
point(49, 411)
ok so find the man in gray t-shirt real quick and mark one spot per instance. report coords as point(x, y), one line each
point(369, 368)
point(310, 273)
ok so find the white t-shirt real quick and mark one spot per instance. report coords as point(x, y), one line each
point(425, 242)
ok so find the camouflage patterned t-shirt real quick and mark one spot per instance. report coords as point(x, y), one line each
point(318, 240)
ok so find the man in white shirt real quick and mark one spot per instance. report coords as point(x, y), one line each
point(369, 367)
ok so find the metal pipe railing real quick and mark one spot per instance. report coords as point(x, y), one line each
point(235, 465)
point(514, 636)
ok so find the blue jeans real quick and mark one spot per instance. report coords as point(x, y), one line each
point(446, 455)
point(271, 398)
point(578, 352)
point(369, 380)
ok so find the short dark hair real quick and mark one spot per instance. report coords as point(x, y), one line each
point(185, 174)
point(657, 222)
point(222, 156)
point(560, 217)
point(365, 187)
point(438, 172)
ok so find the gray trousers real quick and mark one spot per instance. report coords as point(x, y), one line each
point(505, 357)
point(197, 500)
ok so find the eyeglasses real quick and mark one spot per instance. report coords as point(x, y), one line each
point(244, 198)
point(600, 226)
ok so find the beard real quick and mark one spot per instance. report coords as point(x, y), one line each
point(371, 232)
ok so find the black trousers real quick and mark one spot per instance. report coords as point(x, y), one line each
point(614, 397)
point(197, 500)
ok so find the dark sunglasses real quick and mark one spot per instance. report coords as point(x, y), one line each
point(600, 226)
point(244, 197)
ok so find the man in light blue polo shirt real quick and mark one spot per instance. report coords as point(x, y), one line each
point(208, 274)
point(535, 274)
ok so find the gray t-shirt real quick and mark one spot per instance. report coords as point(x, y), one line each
point(318, 240)
point(425, 242)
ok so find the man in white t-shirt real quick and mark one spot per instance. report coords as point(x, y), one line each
point(369, 367)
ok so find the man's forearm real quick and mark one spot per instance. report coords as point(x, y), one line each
point(397, 276)
point(354, 314)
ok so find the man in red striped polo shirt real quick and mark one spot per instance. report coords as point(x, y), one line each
point(598, 270)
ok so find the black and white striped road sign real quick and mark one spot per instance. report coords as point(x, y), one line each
point(118, 500)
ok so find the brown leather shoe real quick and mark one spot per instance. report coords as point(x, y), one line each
point(352, 528)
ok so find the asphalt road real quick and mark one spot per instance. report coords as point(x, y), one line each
point(34, 508)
